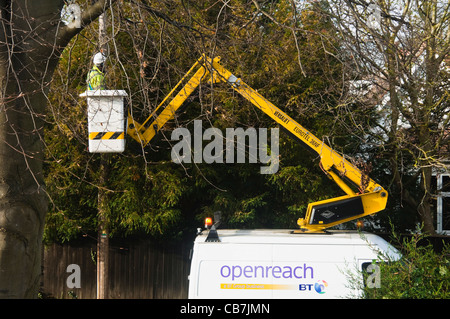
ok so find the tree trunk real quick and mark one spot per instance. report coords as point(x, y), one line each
point(23, 201)
point(25, 71)
point(424, 203)
point(31, 40)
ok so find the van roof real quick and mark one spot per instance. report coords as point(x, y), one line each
point(283, 236)
point(287, 236)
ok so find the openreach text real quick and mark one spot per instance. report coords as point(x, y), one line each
point(237, 271)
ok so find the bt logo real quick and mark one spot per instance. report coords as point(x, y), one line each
point(319, 286)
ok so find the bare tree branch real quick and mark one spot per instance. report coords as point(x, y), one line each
point(66, 33)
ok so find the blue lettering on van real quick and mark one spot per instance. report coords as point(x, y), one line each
point(287, 272)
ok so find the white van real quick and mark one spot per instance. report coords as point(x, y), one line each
point(269, 264)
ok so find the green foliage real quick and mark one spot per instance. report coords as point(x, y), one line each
point(151, 50)
point(422, 273)
point(148, 202)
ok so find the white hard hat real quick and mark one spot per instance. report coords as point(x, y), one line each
point(99, 58)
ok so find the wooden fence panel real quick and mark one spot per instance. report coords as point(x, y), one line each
point(142, 270)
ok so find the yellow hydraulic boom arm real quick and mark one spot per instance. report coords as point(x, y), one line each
point(370, 197)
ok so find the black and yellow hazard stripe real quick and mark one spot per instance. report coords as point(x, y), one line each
point(106, 135)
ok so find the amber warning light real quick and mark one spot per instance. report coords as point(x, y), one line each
point(208, 222)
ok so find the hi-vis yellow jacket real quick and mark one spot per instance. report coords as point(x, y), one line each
point(96, 79)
